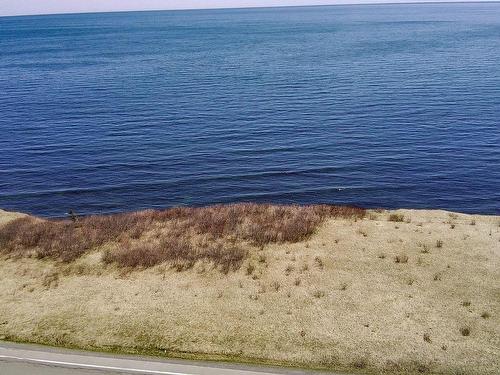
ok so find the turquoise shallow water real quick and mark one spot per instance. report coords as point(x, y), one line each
point(378, 106)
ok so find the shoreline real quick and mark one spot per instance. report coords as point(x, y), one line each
point(19, 213)
point(400, 292)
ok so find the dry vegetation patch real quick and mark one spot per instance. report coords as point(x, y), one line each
point(396, 217)
point(254, 288)
point(179, 236)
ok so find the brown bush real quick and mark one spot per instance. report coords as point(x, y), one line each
point(220, 226)
point(55, 239)
point(263, 224)
point(401, 259)
point(465, 331)
point(176, 251)
point(106, 228)
point(398, 218)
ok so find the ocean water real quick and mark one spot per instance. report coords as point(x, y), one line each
point(377, 106)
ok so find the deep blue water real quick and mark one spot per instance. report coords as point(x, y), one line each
point(377, 106)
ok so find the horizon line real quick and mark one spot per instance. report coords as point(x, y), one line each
point(252, 7)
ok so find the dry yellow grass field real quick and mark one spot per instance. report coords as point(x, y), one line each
point(404, 291)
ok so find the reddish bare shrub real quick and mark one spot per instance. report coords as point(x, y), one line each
point(105, 228)
point(176, 251)
point(220, 226)
point(64, 242)
point(20, 234)
point(55, 239)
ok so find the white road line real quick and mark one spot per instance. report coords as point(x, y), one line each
point(95, 367)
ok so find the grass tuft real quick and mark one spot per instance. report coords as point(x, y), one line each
point(318, 262)
point(465, 331)
point(401, 259)
point(318, 293)
point(360, 363)
point(276, 286)
point(398, 218)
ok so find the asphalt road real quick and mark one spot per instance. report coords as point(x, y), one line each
point(17, 359)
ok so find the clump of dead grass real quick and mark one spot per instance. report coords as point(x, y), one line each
point(398, 218)
point(401, 259)
point(318, 262)
point(318, 293)
point(250, 269)
point(360, 363)
point(50, 280)
point(465, 331)
point(275, 285)
point(224, 230)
